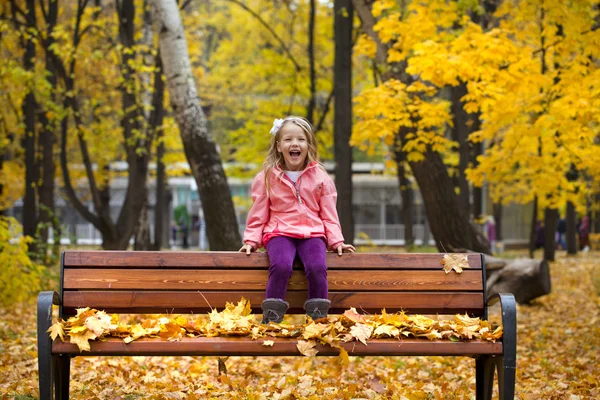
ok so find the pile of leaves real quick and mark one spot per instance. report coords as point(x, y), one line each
point(238, 320)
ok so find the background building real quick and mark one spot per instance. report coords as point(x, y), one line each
point(377, 211)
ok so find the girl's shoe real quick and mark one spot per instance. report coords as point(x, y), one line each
point(274, 310)
point(317, 308)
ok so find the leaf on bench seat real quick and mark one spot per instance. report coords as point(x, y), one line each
point(306, 347)
point(455, 262)
point(361, 332)
point(57, 330)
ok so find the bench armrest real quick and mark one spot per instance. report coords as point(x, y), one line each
point(508, 307)
point(44, 310)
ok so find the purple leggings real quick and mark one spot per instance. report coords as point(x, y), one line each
point(282, 252)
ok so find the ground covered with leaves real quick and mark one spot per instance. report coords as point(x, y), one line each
point(558, 358)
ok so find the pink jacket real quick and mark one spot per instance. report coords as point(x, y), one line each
point(304, 210)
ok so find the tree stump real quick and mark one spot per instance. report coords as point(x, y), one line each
point(526, 279)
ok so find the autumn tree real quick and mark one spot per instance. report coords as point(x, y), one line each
point(535, 125)
point(205, 162)
point(405, 114)
point(102, 87)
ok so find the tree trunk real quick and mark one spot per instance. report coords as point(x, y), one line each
point(550, 221)
point(571, 229)
point(497, 207)
point(596, 220)
point(142, 232)
point(310, 110)
point(532, 227)
point(526, 279)
point(460, 133)
point(29, 110)
point(200, 149)
point(406, 193)
point(449, 224)
point(342, 126)
point(156, 121)
point(46, 142)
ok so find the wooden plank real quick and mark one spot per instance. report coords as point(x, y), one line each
point(224, 346)
point(192, 259)
point(188, 279)
point(197, 302)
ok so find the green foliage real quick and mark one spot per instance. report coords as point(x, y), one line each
point(180, 213)
point(20, 277)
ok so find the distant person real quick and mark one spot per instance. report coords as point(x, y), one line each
point(183, 227)
point(173, 232)
point(491, 232)
point(584, 234)
point(539, 235)
point(294, 213)
point(561, 229)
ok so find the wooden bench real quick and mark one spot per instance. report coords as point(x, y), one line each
point(183, 282)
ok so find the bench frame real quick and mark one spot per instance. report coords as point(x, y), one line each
point(54, 358)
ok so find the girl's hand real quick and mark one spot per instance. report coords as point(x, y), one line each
point(247, 248)
point(348, 248)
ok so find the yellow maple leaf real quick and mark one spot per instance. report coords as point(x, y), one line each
point(434, 334)
point(99, 323)
point(82, 339)
point(466, 320)
point(56, 329)
point(314, 330)
point(268, 343)
point(386, 330)
point(344, 359)
point(361, 332)
point(171, 332)
point(306, 347)
point(78, 329)
point(455, 262)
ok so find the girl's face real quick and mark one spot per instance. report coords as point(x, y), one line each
point(293, 145)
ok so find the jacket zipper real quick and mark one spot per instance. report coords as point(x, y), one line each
point(297, 192)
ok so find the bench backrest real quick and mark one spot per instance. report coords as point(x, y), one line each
point(193, 282)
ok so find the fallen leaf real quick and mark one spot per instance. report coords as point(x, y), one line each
point(56, 329)
point(455, 262)
point(306, 347)
point(82, 340)
point(268, 343)
point(361, 332)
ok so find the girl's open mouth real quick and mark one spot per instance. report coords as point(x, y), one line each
point(295, 153)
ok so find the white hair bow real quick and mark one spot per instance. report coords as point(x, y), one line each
point(276, 126)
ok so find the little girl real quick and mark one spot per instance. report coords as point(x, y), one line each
point(294, 213)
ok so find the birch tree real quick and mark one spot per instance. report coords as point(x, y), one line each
point(200, 149)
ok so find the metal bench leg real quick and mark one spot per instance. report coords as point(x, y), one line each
point(484, 377)
point(506, 379)
point(45, 369)
point(61, 378)
point(46, 362)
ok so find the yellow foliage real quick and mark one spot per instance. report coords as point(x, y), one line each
point(20, 277)
point(538, 121)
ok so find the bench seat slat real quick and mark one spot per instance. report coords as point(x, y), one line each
point(231, 279)
point(196, 302)
point(191, 259)
point(242, 346)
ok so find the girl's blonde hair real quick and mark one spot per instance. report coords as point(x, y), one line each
point(275, 158)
